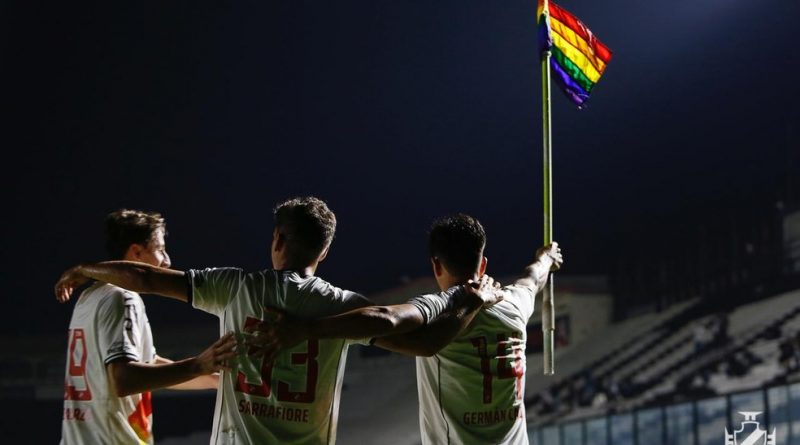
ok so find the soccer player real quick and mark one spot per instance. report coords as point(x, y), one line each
point(111, 360)
point(296, 398)
point(471, 389)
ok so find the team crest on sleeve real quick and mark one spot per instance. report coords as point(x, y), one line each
point(750, 432)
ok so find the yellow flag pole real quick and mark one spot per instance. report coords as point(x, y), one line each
point(548, 313)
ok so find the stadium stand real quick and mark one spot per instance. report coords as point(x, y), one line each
point(666, 364)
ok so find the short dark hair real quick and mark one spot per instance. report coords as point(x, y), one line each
point(458, 242)
point(125, 227)
point(308, 224)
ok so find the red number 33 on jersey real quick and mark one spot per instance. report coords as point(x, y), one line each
point(264, 388)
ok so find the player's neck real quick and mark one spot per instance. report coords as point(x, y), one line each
point(448, 281)
point(307, 271)
point(304, 270)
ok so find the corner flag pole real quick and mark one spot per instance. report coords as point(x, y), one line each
point(548, 314)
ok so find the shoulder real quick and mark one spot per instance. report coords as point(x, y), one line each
point(523, 287)
point(113, 302)
point(516, 299)
point(199, 276)
point(434, 304)
point(334, 293)
point(519, 290)
point(445, 297)
point(113, 296)
point(439, 297)
point(316, 285)
point(216, 279)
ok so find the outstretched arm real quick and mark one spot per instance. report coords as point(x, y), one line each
point(431, 338)
point(138, 277)
point(130, 377)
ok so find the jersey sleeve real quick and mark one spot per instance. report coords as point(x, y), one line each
point(148, 333)
point(523, 297)
point(433, 305)
point(353, 300)
point(121, 321)
point(211, 290)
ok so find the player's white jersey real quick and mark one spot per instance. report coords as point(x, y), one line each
point(107, 323)
point(296, 400)
point(471, 391)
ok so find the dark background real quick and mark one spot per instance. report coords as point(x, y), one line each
point(394, 112)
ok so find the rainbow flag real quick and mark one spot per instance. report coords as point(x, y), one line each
point(578, 59)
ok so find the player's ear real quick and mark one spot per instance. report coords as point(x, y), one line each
point(482, 268)
point(277, 240)
point(134, 252)
point(438, 269)
point(323, 255)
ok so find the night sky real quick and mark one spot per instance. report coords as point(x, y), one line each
point(393, 111)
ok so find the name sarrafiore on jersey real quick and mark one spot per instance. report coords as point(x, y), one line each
point(268, 411)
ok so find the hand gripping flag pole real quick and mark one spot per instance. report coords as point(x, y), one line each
point(548, 314)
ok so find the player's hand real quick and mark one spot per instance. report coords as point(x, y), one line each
point(486, 289)
point(277, 332)
point(216, 357)
point(551, 253)
point(69, 281)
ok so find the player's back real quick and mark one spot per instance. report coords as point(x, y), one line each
point(107, 323)
point(295, 400)
point(472, 390)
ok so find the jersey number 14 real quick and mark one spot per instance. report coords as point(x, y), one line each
point(504, 371)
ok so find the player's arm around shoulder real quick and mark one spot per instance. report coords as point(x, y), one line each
point(442, 325)
point(283, 331)
point(379, 321)
point(138, 277)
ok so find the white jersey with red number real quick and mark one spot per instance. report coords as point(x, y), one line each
point(296, 400)
point(107, 323)
point(471, 391)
